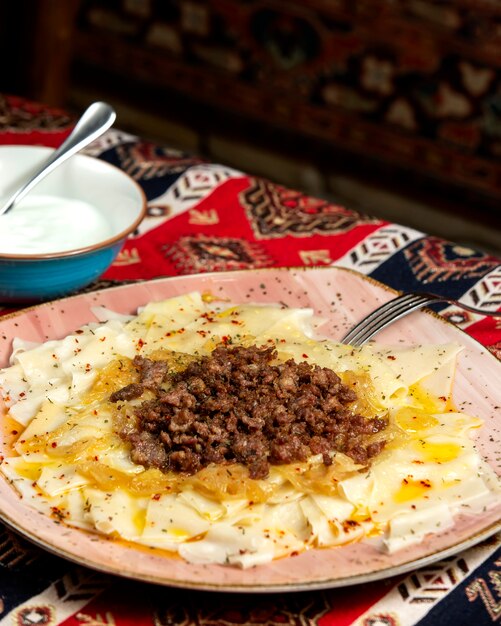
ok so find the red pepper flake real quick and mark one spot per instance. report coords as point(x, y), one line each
point(54, 444)
point(79, 332)
point(140, 344)
point(94, 411)
point(305, 356)
point(443, 398)
point(22, 394)
point(391, 357)
point(57, 512)
point(88, 367)
point(13, 432)
point(102, 339)
point(157, 496)
point(425, 483)
point(96, 458)
point(202, 333)
point(349, 524)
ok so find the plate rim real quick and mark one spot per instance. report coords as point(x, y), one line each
point(330, 583)
point(267, 588)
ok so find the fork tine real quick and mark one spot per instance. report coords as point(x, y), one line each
point(395, 303)
point(383, 315)
point(387, 318)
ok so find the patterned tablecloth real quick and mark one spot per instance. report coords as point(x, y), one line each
point(207, 217)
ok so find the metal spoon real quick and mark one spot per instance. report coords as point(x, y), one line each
point(98, 117)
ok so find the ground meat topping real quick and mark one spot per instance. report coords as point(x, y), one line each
point(235, 406)
point(152, 373)
point(134, 390)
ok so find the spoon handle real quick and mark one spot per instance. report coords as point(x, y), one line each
point(95, 120)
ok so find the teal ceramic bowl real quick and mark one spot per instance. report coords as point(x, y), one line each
point(68, 230)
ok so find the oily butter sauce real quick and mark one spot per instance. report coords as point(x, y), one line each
point(44, 224)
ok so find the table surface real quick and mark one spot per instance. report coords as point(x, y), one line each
point(208, 217)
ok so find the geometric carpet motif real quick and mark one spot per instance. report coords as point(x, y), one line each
point(59, 600)
point(487, 292)
point(109, 140)
point(15, 553)
point(430, 584)
point(488, 590)
point(235, 611)
point(199, 253)
point(378, 247)
point(188, 190)
point(198, 181)
point(274, 211)
point(145, 161)
point(420, 592)
point(13, 113)
point(435, 260)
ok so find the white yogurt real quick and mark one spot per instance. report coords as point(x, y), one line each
point(48, 224)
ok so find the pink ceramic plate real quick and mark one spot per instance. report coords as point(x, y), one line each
point(342, 297)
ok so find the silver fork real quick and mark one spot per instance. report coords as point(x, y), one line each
point(397, 308)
